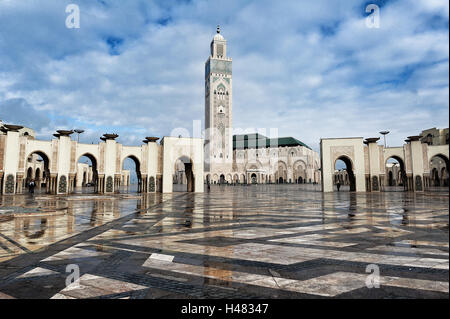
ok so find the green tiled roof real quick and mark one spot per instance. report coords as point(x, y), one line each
point(257, 140)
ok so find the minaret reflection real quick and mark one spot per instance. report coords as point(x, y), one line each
point(214, 273)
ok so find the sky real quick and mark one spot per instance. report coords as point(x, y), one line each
point(310, 69)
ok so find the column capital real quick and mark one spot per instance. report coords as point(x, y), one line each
point(414, 138)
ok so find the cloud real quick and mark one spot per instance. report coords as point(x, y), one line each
point(309, 69)
point(18, 111)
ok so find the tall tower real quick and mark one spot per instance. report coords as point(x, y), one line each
point(218, 108)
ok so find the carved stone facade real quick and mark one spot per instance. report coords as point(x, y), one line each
point(59, 171)
point(368, 163)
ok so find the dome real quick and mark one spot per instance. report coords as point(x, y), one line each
point(218, 36)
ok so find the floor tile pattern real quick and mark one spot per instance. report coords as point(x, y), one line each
point(266, 241)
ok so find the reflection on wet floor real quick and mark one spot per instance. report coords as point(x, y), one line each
point(243, 241)
point(28, 223)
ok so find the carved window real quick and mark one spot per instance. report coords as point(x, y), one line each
point(221, 111)
point(220, 50)
point(221, 93)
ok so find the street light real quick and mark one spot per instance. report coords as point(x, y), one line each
point(384, 133)
point(78, 132)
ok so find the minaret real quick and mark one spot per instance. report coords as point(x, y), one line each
point(218, 108)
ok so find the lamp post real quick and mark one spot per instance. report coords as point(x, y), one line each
point(78, 132)
point(384, 133)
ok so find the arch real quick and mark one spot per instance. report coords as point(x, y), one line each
point(299, 170)
point(300, 162)
point(398, 159)
point(236, 178)
point(222, 179)
point(394, 152)
point(349, 168)
point(94, 162)
point(185, 173)
point(136, 161)
point(401, 181)
point(441, 151)
point(137, 164)
point(280, 171)
point(42, 154)
point(440, 175)
point(278, 163)
point(441, 156)
point(45, 169)
point(90, 156)
point(131, 151)
point(254, 178)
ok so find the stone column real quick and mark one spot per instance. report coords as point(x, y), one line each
point(110, 162)
point(11, 158)
point(19, 189)
point(374, 163)
point(417, 163)
point(101, 178)
point(144, 183)
point(70, 187)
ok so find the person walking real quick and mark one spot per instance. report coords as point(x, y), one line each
point(31, 186)
point(338, 186)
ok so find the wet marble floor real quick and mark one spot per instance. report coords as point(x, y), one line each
point(265, 241)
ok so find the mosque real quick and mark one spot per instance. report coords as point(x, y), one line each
point(246, 158)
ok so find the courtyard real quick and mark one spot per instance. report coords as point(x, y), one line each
point(257, 241)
